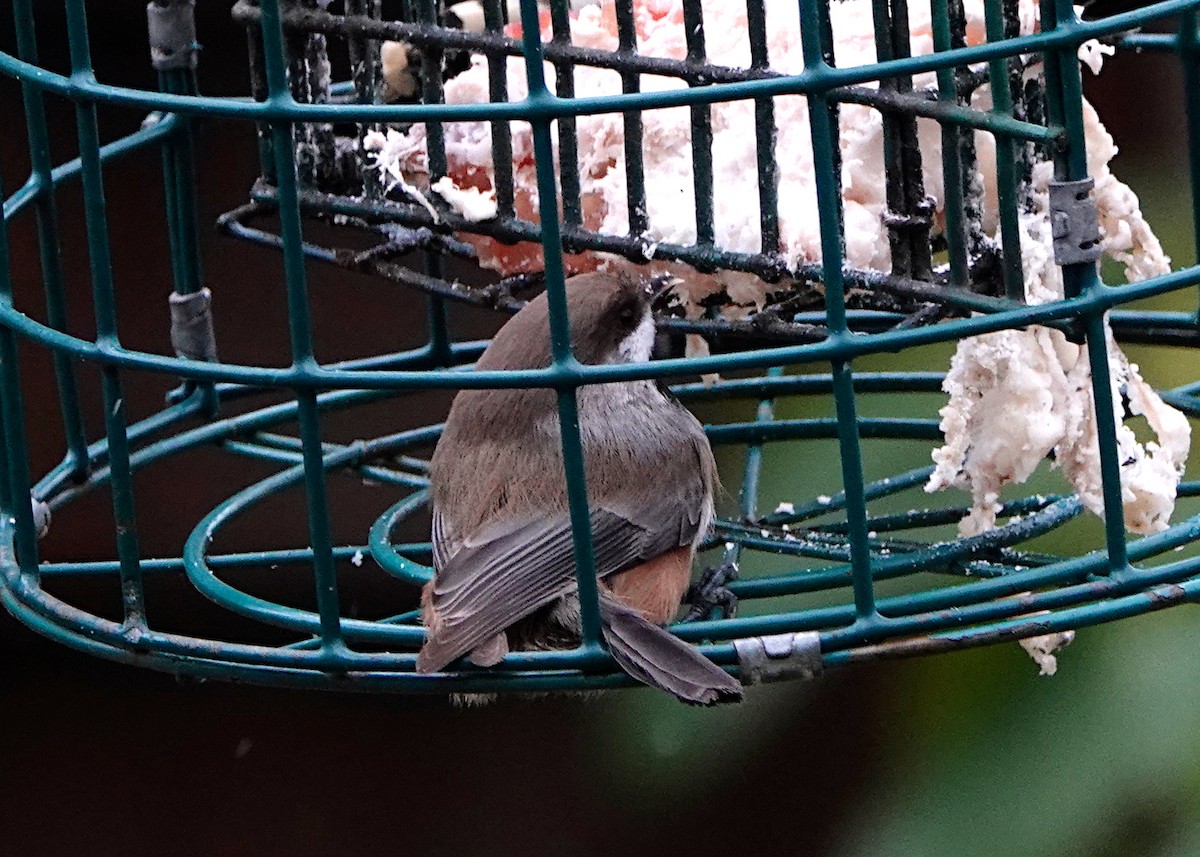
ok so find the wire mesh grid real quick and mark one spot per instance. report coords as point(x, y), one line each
point(988, 587)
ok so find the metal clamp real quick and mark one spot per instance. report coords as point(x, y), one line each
point(192, 334)
point(780, 656)
point(41, 516)
point(1074, 223)
point(172, 25)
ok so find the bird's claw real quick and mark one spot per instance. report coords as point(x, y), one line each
point(711, 592)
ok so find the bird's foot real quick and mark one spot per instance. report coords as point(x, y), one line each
point(711, 592)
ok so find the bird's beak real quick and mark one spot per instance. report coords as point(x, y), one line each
point(660, 285)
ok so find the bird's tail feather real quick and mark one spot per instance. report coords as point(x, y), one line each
point(659, 659)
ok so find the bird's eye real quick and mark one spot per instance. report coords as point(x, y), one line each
point(627, 315)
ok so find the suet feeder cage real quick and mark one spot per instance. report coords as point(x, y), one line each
point(982, 134)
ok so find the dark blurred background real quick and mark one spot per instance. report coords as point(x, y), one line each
point(964, 754)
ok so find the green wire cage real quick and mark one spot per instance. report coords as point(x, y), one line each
point(868, 571)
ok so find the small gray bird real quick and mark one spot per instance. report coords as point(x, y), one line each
point(504, 563)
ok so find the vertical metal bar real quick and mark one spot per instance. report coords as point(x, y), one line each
point(431, 92)
point(1064, 96)
point(1006, 166)
point(364, 72)
point(824, 30)
point(748, 495)
point(437, 315)
point(502, 156)
point(300, 330)
point(1189, 59)
point(1106, 435)
point(893, 150)
point(953, 201)
point(308, 73)
point(977, 241)
point(179, 179)
point(560, 332)
point(258, 91)
point(1029, 98)
point(6, 469)
point(121, 476)
point(48, 245)
point(635, 178)
point(751, 472)
point(825, 143)
point(568, 141)
point(909, 209)
point(764, 133)
point(701, 115)
point(435, 146)
point(15, 481)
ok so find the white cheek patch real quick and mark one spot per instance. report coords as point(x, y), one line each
point(636, 347)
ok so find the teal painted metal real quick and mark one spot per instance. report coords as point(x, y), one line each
point(994, 584)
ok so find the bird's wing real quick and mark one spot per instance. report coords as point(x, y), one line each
point(514, 567)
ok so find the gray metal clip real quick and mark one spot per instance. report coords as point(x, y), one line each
point(172, 25)
point(1074, 223)
point(779, 656)
point(192, 334)
point(41, 516)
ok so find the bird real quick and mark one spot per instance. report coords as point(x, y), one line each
point(504, 564)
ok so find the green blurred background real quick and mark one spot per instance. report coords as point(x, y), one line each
point(958, 755)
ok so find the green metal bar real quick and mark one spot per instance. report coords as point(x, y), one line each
point(1106, 433)
point(435, 135)
point(1083, 278)
point(289, 451)
point(250, 559)
point(845, 348)
point(387, 555)
point(1189, 60)
point(15, 481)
point(824, 143)
point(300, 333)
point(982, 594)
point(751, 471)
point(949, 599)
point(564, 365)
point(125, 519)
point(437, 316)
point(805, 83)
point(1151, 41)
point(48, 244)
point(179, 180)
point(29, 193)
point(265, 111)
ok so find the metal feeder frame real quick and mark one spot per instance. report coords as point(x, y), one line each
point(1000, 590)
